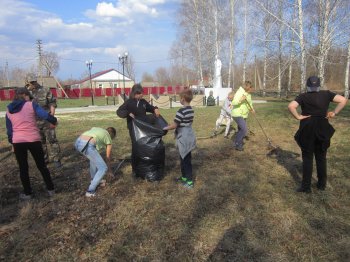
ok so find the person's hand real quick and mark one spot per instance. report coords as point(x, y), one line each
point(166, 128)
point(253, 111)
point(12, 149)
point(301, 117)
point(157, 112)
point(52, 126)
point(131, 115)
point(243, 98)
point(330, 114)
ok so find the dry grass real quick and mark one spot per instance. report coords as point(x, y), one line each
point(243, 206)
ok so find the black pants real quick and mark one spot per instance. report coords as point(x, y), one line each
point(186, 166)
point(321, 166)
point(36, 149)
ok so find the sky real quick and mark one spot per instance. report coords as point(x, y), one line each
point(81, 30)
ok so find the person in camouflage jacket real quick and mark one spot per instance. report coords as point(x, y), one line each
point(43, 96)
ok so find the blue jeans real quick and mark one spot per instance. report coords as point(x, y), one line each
point(98, 167)
point(242, 131)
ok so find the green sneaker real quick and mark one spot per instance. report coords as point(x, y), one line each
point(181, 179)
point(189, 184)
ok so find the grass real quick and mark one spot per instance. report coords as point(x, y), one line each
point(243, 206)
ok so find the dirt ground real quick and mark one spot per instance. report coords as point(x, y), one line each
point(243, 206)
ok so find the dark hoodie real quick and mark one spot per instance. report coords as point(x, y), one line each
point(16, 106)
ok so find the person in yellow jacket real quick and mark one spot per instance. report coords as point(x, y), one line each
point(241, 106)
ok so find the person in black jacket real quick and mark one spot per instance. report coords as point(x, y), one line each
point(315, 132)
point(135, 107)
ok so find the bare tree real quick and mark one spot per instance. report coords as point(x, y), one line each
point(245, 51)
point(346, 82)
point(146, 77)
point(280, 48)
point(298, 32)
point(231, 45)
point(198, 41)
point(162, 76)
point(130, 67)
point(51, 60)
point(18, 74)
point(291, 54)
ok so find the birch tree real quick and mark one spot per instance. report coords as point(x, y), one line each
point(231, 45)
point(198, 41)
point(280, 47)
point(302, 46)
point(347, 68)
point(291, 55)
point(245, 51)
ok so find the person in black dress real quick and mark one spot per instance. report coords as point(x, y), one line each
point(315, 132)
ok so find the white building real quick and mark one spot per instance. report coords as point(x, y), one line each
point(110, 78)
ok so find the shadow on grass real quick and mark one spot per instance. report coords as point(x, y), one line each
point(235, 246)
point(289, 160)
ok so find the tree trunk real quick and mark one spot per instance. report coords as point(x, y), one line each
point(198, 44)
point(230, 64)
point(346, 82)
point(245, 53)
point(302, 48)
point(324, 40)
point(280, 46)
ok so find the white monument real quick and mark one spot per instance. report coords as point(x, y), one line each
point(217, 83)
point(218, 90)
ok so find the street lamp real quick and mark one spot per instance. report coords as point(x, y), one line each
point(89, 65)
point(122, 60)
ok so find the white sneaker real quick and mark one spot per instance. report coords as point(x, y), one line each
point(90, 194)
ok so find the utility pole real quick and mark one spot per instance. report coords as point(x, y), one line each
point(89, 65)
point(123, 59)
point(39, 43)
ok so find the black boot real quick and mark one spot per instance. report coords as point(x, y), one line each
point(303, 190)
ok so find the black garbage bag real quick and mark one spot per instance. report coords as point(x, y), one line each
point(148, 147)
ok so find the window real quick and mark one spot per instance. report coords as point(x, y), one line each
point(100, 85)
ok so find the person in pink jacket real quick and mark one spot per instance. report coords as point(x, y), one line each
point(23, 134)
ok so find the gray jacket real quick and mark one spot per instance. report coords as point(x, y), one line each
point(226, 110)
point(185, 140)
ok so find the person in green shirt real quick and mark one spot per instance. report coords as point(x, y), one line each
point(88, 144)
point(241, 106)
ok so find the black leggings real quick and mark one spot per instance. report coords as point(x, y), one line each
point(321, 166)
point(36, 149)
point(186, 167)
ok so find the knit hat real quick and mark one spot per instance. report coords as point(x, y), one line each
point(313, 84)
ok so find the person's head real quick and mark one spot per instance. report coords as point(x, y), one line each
point(22, 93)
point(313, 84)
point(32, 81)
point(112, 132)
point(186, 95)
point(248, 87)
point(230, 96)
point(211, 93)
point(136, 91)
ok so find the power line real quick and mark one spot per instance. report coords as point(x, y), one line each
point(109, 62)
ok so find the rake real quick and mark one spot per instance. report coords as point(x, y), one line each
point(271, 146)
